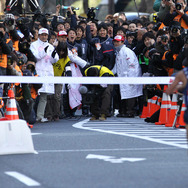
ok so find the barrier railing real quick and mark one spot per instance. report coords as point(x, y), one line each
point(87, 80)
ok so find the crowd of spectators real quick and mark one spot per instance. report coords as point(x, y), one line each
point(67, 46)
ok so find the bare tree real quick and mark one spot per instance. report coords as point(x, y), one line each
point(146, 6)
point(111, 7)
point(85, 5)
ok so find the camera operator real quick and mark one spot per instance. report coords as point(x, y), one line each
point(175, 45)
point(156, 66)
point(101, 93)
point(176, 42)
point(5, 49)
point(10, 23)
point(178, 12)
point(180, 61)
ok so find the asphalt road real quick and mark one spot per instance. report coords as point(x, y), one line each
point(119, 152)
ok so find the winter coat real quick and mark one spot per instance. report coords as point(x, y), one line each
point(127, 65)
point(44, 63)
point(103, 49)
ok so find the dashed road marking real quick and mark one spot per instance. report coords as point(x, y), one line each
point(23, 178)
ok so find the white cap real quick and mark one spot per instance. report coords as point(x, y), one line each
point(43, 30)
point(62, 33)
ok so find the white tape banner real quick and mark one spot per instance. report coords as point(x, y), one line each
point(87, 80)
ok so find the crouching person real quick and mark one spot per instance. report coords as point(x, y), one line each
point(101, 93)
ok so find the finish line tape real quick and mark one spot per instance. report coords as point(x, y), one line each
point(86, 80)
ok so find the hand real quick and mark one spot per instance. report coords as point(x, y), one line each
point(45, 49)
point(180, 12)
point(58, 7)
point(10, 67)
point(152, 41)
point(10, 28)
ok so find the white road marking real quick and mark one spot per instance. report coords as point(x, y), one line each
point(22, 178)
point(115, 149)
point(152, 138)
point(112, 159)
point(33, 134)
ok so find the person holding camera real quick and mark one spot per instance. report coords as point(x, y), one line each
point(11, 31)
point(100, 106)
point(178, 12)
point(6, 46)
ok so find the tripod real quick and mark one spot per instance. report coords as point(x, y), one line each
point(20, 5)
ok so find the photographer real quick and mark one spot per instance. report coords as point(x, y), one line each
point(178, 12)
point(180, 61)
point(10, 23)
point(5, 49)
point(100, 92)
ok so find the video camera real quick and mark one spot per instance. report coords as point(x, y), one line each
point(9, 22)
point(164, 38)
point(9, 60)
point(89, 95)
point(24, 46)
point(91, 14)
point(131, 33)
point(178, 6)
point(174, 29)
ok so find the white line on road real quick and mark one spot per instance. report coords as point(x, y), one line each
point(115, 149)
point(33, 134)
point(80, 124)
point(22, 178)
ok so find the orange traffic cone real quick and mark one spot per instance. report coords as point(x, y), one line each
point(173, 111)
point(181, 122)
point(165, 109)
point(149, 107)
point(153, 105)
point(144, 112)
point(11, 111)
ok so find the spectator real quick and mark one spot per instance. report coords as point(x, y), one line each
point(126, 65)
point(103, 53)
point(43, 51)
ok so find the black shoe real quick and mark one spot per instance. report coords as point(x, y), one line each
point(129, 115)
point(147, 120)
point(120, 115)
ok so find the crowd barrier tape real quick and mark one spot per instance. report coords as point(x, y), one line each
point(86, 80)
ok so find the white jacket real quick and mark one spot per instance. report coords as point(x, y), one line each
point(44, 63)
point(127, 65)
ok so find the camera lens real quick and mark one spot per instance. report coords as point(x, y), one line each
point(178, 6)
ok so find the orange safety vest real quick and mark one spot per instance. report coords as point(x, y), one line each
point(33, 91)
point(16, 45)
point(161, 26)
point(178, 18)
point(3, 57)
point(168, 69)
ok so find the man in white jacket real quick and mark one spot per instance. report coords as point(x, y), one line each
point(46, 56)
point(127, 65)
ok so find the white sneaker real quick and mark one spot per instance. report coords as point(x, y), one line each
point(44, 120)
